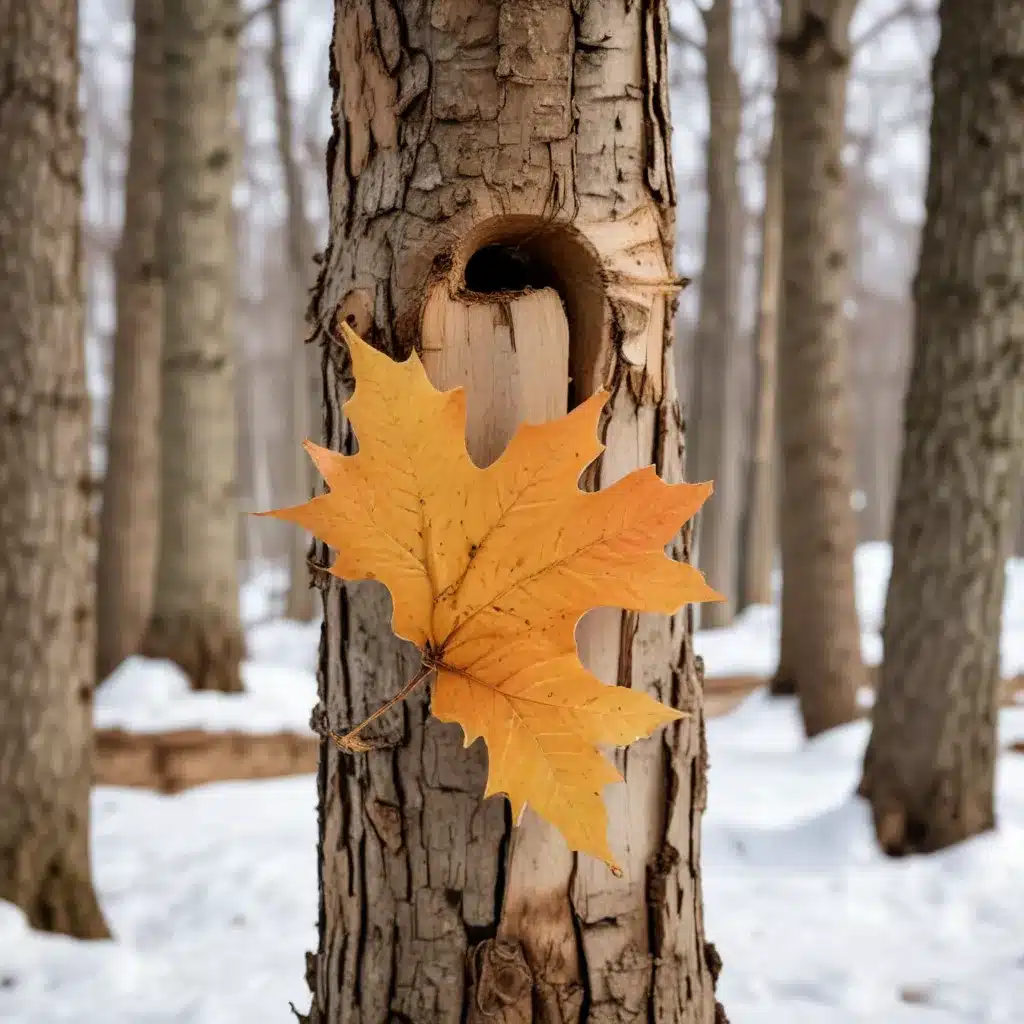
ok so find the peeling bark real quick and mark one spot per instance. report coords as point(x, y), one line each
point(929, 770)
point(820, 643)
point(493, 166)
point(47, 630)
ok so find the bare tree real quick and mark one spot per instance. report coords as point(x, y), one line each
point(761, 522)
point(195, 619)
point(930, 766)
point(47, 630)
point(126, 565)
point(300, 264)
point(716, 408)
point(820, 644)
point(506, 168)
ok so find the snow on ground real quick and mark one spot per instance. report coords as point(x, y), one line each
point(154, 696)
point(144, 695)
point(751, 646)
point(817, 927)
point(211, 896)
point(151, 696)
point(211, 893)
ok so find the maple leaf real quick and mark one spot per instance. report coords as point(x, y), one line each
point(491, 569)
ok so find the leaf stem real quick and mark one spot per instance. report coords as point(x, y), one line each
point(351, 743)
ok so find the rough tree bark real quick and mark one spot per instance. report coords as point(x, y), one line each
point(930, 766)
point(820, 644)
point(300, 272)
point(716, 407)
point(761, 526)
point(126, 564)
point(495, 167)
point(195, 620)
point(47, 631)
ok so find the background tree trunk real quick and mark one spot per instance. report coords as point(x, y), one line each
point(306, 369)
point(195, 620)
point(47, 632)
point(820, 643)
point(530, 148)
point(761, 527)
point(126, 566)
point(930, 766)
point(716, 407)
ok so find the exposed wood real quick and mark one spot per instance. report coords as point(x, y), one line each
point(542, 132)
point(511, 356)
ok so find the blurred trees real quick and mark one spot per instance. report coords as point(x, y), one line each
point(267, 303)
point(883, 117)
point(195, 619)
point(761, 512)
point(820, 643)
point(47, 628)
point(888, 94)
point(716, 405)
point(882, 154)
point(929, 770)
point(304, 407)
point(126, 563)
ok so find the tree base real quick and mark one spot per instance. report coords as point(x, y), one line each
point(782, 686)
point(209, 650)
point(934, 824)
point(56, 897)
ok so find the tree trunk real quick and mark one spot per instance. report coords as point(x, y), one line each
point(126, 565)
point(930, 765)
point(820, 644)
point(762, 501)
point(501, 188)
point(195, 620)
point(47, 631)
point(716, 413)
point(304, 366)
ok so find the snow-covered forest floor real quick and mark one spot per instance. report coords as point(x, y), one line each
point(211, 894)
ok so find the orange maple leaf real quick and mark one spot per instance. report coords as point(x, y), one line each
point(490, 570)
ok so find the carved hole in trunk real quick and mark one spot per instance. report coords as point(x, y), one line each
point(509, 255)
point(506, 268)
